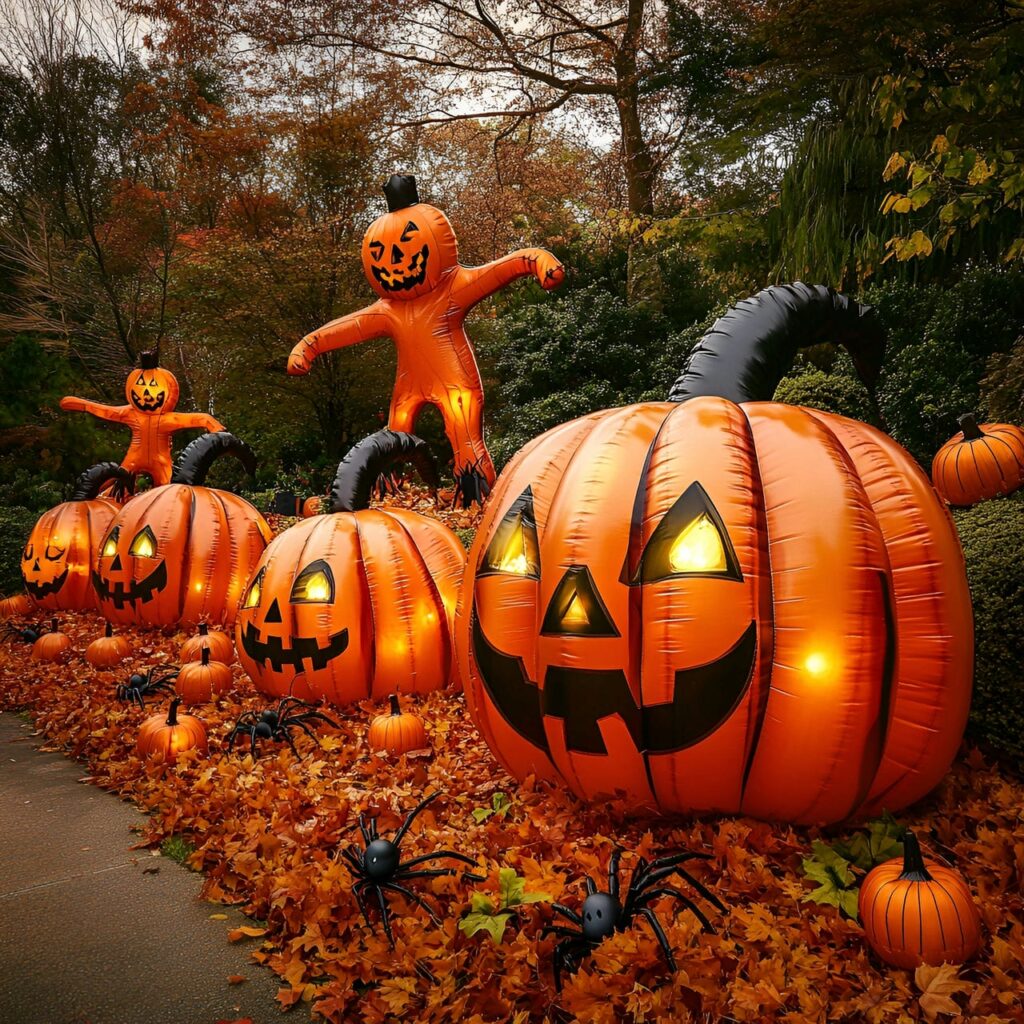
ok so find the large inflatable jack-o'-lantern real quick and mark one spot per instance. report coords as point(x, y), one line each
point(181, 554)
point(152, 394)
point(358, 602)
point(60, 553)
point(411, 260)
point(721, 603)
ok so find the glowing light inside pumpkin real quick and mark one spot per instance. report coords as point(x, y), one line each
point(110, 547)
point(575, 614)
point(253, 597)
point(816, 664)
point(317, 587)
point(698, 548)
point(513, 558)
point(143, 546)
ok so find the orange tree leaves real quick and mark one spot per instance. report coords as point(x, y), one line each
point(265, 834)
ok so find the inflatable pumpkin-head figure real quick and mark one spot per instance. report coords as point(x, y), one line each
point(60, 554)
point(719, 604)
point(181, 553)
point(408, 250)
point(151, 388)
point(358, 602)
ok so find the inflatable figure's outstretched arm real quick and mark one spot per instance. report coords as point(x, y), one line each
point(476, 283)
point(114, 413)
point(372, 322)
point(193, 421)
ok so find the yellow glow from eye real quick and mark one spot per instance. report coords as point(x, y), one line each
point(698, 548)
point(110, 548)
point(142, 546)
point(317, 588)
point(253, 597)
point(816, 664)
point(513, 558)
point(575, 614)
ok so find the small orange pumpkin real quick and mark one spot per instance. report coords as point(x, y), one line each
point(199, 681)
point(979, 462)
point(171, 735)
point(16, 606)
point(313, 506)
point(218, 643)
point(107, 650)
point(918, 912)
point(52, 646)
point(397, 731)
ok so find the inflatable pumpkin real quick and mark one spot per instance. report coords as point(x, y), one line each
point(980, 462)
point(108, 650)
point(60, 553)
point(15, 606)
point(411, 260)
point(720, 604)
point(152, 393)
point(396, 731)
point(168, 736)
point(359, 602)
point(181, 554)
point(53, 645)
point(219, 644)
point(917, 912)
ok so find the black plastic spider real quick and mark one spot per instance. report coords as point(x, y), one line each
point(155, 683)
point(27, 634)
point(602, 913)
point(277, 723)
point(378, 866)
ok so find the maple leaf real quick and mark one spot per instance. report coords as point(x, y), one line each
point(882, 841)
point(836, 888)
point(500, 806)
point(937, 985)
point(484, 915)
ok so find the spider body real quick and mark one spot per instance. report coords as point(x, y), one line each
point(26, 634)
point(276, 724)
point(155, 683)
point(378, 868)
point(604, 913)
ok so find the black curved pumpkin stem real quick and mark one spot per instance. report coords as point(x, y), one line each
point(913, 862)
point(91, 481)
point(746, 352)
point(374, 455)
point(195, 461)
point(395, 709)
point(969, 425)
point(400, 192)
point(172, 711)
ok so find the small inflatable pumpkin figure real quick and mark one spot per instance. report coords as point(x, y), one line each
point(152, 394)
point(411, 259)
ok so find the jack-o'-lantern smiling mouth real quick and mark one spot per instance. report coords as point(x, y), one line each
point(147, 401)
point(704, 697)
point(41, 590)
point(121, 594)
point(300, 648)
point(399, 279)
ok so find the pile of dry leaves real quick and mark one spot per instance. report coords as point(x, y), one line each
point(265, 834)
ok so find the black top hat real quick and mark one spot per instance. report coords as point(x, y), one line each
point(400, 190)
point(148, 360)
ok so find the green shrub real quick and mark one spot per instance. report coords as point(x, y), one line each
point(837, 390)
point(16, 524)
point(992, 535)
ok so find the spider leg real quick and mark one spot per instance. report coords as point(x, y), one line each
point(416, 898)
point(613, 873)
point(252, 735)
point(434, 873)
point(367, 838)
point(558, 929)
point(441, 853)
point(298, 723)
point(316, 716)
point(384, 914)
point(560, 908)
point(659, 934)
point(352, 860)
point(701, 888)
point(284, 734)
point(644, 870)
point(357, 891)
point(591, 886)
point(411, 816)
point(668, 890)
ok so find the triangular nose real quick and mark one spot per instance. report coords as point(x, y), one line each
point(273, 612)
point(35, 568)
point(116, 563)
point(396, 254)
point(576, 608)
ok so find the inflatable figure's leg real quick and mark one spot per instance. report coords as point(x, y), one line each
point(405, 409)
point(462, 411)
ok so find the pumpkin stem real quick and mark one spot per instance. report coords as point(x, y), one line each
point(195, 461)
point(91, 481)
point(969, 425)
point(746, 352)
point(374, 455)
point(53, 624)
point(400, 192)
point(172, 711)
point(913, 863)
point(206, 655)
point(204, 629)
point(109, 631)
point(395, 709)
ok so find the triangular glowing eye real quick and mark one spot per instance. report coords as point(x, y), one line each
point(144, 545)
point(513, 559)
point(315, 584)
point(575, 614)
point(253, 597)
point(514, 549)
point(698, 548)
point(110, 544)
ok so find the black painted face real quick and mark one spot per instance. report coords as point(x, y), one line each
point(121, 593)
point(380, 859)
point(690, 541)
point(147, 393)
point(600, 913)
point(399, 266)
point(42, 577)
point(125, 590)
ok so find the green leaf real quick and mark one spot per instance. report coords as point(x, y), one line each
point(493, 924)
point(501, 804)
point(512, 890)
point(836, 888)
point(481, 814)
point(881, 842)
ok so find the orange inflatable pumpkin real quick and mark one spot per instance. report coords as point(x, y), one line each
point(396, 731)
point(980, 462)
point(60, 553)
point(198, 682)
point(718, 604)
point(182, 553)
point(152, 393)
point(411, 260)
point(167, 736)
point(917, 912)
point(107, 650)
point(358, 602)
point(16, 606)
point(52, 646)
point(219, 645)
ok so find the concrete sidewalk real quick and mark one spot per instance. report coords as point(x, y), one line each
point(89, 932)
